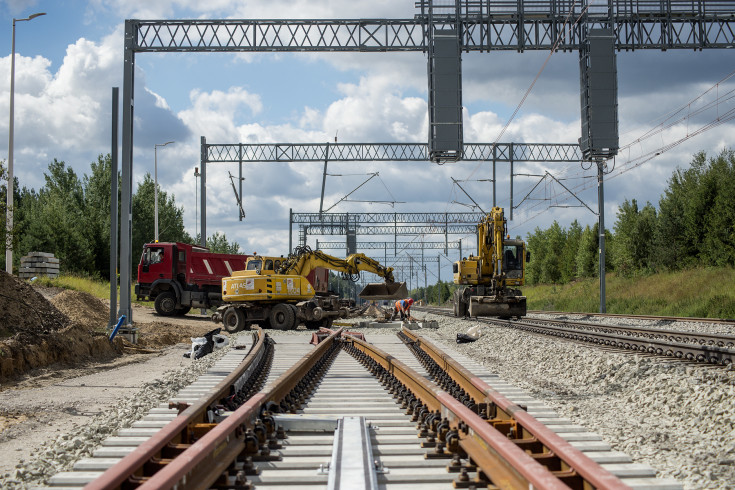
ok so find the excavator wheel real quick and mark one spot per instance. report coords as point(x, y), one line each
point(460, 307)
point(165, 303)
point(283, 317)
point(233, 320)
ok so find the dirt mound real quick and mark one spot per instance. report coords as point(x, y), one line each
point(72, 346)
point(26, 314)
point(158, 334)
point(82, 308)
point(36, 334)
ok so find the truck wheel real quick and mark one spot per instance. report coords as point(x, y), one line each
point(165, 303)
point(233, 320)
point(282, 317)
point(183, 310)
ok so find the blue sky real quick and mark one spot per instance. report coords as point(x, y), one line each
point(68, 60)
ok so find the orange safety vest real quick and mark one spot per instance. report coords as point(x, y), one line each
point(402, 305)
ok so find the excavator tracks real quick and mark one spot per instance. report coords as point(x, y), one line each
point(397, 412)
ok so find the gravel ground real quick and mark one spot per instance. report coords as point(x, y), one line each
point(677, 417)
point(692, 327)
point(63, 422)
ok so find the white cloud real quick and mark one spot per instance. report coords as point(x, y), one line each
point(15, 7)
point(65, 114)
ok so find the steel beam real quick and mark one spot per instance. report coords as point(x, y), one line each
point(516, 25)
point(340, 219)
point(386, 152)
point(390, 245)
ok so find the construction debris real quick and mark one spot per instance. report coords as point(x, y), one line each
point(473, 333)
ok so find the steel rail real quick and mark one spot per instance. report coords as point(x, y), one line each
point(689, 352)
point(730, 321)
point(190, 420)
point(203, 463)
point(701, 338)
point(501, 412)
point(694, 351)
point(496, 456)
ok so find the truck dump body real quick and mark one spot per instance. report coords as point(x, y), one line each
point(209, 268)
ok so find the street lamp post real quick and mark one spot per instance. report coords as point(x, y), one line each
point(155, 184)
point(9, 201)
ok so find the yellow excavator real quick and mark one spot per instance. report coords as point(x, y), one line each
point(489, 281)
point(283, 292)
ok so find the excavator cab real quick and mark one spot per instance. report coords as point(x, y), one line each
point(384, 290)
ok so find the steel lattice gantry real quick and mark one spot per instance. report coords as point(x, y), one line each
point(479, 25)
point(397, 224)
point(241, 153)
point(515, 25)
point(385, 152)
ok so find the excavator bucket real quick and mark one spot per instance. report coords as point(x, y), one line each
point(384, 290)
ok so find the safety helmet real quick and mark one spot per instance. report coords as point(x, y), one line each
point(410, 301)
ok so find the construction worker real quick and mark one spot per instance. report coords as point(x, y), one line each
point(403, 306)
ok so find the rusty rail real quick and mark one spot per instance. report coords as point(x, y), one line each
point(156, 451)
point(502, 461)
point(243, 432)
point(551, 450)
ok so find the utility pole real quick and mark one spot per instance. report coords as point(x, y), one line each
point(11, 134)
point(601, 231)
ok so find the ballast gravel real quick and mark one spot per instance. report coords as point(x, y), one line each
point(677, 417)
point(60, 453)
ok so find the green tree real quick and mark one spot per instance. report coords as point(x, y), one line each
point(634, 236)
point(587, 253)
point(717, 246)
point(569, 254)
point(97, 198)
point(538, 245)
point(170, 217)
point(552, 268)
point(218, 243)
point(55, 222)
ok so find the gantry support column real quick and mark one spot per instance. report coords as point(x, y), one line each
point(126, 210)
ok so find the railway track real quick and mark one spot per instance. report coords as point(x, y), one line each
point(730, 321)
point(398, 412)
point(690, 346)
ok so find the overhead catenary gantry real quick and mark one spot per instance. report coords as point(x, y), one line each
point(476, 25)
point(371, 224)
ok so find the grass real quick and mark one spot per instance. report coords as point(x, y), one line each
point(96, 287)
point(700, 292)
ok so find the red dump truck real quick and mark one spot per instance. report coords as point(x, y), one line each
point(178, 276)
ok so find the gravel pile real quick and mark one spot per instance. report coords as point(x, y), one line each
point(61, 453)
point(677, 417)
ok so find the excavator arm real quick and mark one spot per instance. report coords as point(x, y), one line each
point(306, 260)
